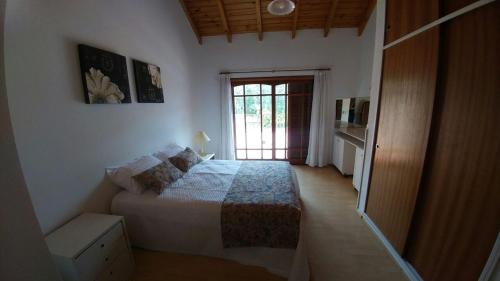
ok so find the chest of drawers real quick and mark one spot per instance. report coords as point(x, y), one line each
point(92, 247)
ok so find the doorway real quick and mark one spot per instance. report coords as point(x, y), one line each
point(271, 118)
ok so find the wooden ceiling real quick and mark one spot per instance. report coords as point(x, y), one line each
point(228, 17)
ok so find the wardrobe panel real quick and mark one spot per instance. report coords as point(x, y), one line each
point(449, 6)
point(406, 100)
point(458, 209)
point(405, 16)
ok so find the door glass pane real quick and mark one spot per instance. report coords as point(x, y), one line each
point(238, 90)
point(252, 89)
point(267, 89)
point(254, 139)
point(241, 154)
point(281, 89)
point(280, 154)
point(280, 121)
point(267, 154)
point(239, 122)
point(254, 154)
point(261, 120)
point(267, 122)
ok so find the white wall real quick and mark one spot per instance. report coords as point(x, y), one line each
point(379, 31)
point(341, 51)
point(23, 253)
point(366, 61)
point(64, 144)
point(367, 81)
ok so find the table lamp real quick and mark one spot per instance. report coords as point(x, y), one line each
point(201, 138)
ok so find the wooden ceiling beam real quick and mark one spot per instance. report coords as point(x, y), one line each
point(366, 17)
point(191, 22)
point(228, 17)
point(259, 19)
point(295, 18)
point(331, 15)
point(225, 23)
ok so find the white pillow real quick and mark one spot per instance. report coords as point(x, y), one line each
point(123, 175)
point(171, 150)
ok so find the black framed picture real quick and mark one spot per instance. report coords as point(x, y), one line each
point(104, 76)
point(148, 82)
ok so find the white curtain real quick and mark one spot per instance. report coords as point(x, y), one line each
point(321, 131)
point(227, 138)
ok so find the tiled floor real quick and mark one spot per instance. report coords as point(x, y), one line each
point(340, 244)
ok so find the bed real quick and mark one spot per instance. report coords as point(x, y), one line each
point(202, 214)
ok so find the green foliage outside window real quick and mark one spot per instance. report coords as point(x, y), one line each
point(253, 105)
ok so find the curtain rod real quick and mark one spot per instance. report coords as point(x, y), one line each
point(274, 70)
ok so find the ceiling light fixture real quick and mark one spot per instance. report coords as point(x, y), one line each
point(281, 7)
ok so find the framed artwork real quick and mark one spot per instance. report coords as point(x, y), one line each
point(104, 76)
point(148, 82)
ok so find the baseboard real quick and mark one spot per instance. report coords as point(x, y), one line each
point(361, 214)
point(408, 270)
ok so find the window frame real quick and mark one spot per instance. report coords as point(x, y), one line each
point(273, 82)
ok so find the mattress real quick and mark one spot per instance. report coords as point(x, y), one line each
point(186, 218)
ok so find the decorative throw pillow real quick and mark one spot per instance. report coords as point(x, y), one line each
point(186, 159)
point(159, 177)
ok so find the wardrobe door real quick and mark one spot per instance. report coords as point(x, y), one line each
point(458, 209)
point(405, 16)
point(406, 101)
point(449, 6)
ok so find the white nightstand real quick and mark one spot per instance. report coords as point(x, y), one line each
point(92, 247)
point(209, 156)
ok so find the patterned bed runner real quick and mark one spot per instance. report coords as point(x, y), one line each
point(261, 209)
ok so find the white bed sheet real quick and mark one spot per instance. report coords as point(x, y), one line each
point(185, 218)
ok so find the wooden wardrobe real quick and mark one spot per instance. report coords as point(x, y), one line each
point(435, 179)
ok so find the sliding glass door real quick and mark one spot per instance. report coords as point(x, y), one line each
point(261, 114)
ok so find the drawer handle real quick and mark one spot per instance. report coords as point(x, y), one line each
point(111, 273)
point(102, 245)
point(106, 259)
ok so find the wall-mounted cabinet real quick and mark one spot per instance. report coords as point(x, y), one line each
point(457, 218)
point(449, 6)
point(405, 16)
